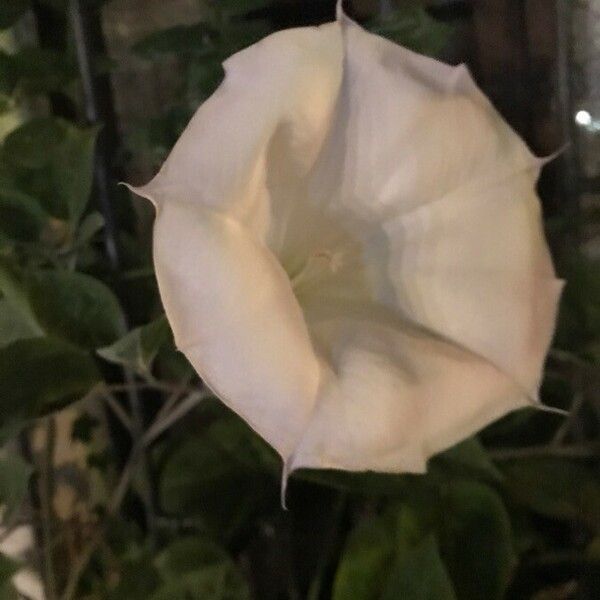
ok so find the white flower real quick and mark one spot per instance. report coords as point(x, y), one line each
point(349, 249)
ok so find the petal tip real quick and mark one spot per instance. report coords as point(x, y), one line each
point(544, 160)
point(285, 475)
point(143, 191)
point(539, 405)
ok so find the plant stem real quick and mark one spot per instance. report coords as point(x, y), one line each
point(111, 510)
point(583, 450)
point(137, 435)
point(118, 410)
point(162, 423)
point(137, 455)
point(46, 493)
point(146, 385)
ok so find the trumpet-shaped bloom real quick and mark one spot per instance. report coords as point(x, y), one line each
point(349, 249)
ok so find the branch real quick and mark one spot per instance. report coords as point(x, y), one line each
point(137, 454)
point(161, 424)
point(145, 385)
point(137, 435)
point(584, 450)
point(46, 493)
point(117, 409)
point(111, 510)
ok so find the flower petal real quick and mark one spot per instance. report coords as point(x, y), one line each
point(474, 267)
point(231, 175)
point(442, 193)
point(286, 83)
point(234, 315)
point(395, 395)
point(409, 130)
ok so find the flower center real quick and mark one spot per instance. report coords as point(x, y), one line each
point(319, 264)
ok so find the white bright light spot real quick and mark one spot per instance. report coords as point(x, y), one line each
point(584, 118)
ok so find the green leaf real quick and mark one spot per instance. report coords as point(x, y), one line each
point(11, 11)
point(477, 541)
point(62, 157)
point(557, 488)
point(467, 459)
point(88, 228)
point(12, 324)
point(14, 480)
point(198, 569)
point(367, 482)
point(203, 476)
point(70, 306)
point(138, 576)
point(33, 144)
point(21, 217)
point(203, 78)
point(414, 29)
point(138, 349)
point(419, 574)
point(240, 34)
point(15, 293)
point(187, 554)
point(579, 319)
point(192, 40)
point(40, 375)
point(75, 307)
point(242, 7)
point(73, 170)
point(365, 563)
point(8, 568)
point(409, 525)
point(394, 555)
point(33, 70)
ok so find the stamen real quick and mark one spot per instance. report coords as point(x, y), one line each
point(317, 263)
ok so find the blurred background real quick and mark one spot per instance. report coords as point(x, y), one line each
point(120, 476)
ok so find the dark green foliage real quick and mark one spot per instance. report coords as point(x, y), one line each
point(200, 49)
point(556, 488)
point(138, 349)
point(382, 556)
point(367, 559)
point(34, 71)
point(195, 568)
point(75, 307)
point(70, 306)
point(38, 376)
point(203, 476)
point(414, 28)
point(14, 479)
point(419, 574)
point(190, 568)
point(191, 40)
point(476, 541)
point(22, 219)
point(53, 161)
point(32, 145)
point(8, 568)
point(11, 11)
point(242, 7)
point(13, 326)
point(579, 325)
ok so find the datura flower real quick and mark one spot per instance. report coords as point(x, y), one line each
point(349, 249)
